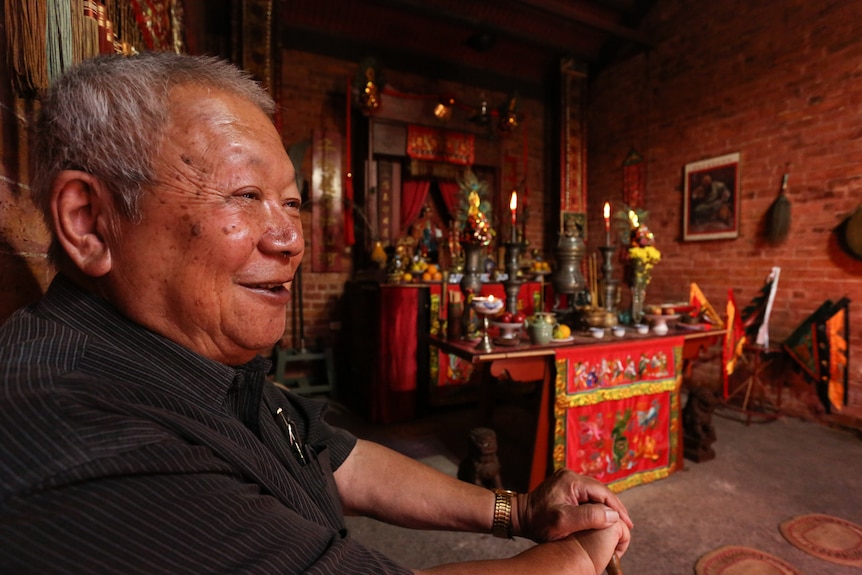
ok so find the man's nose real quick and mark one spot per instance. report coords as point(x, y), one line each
point(283, 233)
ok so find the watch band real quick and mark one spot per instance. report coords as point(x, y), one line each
point(502, 526)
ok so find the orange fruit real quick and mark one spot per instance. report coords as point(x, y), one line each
point(437, 277)
point(426, 277)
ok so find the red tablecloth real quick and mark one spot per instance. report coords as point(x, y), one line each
point(617, 411)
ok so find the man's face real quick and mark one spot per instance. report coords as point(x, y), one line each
point(211, 263)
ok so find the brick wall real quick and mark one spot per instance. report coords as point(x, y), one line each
point(780, 83)
point(24, 273)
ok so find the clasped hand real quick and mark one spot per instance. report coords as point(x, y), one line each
point(567, 503)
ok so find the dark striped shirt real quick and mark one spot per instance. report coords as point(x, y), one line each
point(123, 452)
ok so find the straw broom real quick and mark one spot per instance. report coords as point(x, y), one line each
point(778, 221)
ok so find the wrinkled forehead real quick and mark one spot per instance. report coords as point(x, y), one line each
point(215, 133)
point(196, 107)
point(217, 116)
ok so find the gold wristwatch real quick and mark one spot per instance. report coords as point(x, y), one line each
point(502, 526)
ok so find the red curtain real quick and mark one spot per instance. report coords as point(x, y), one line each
point(394, 391)
point(450, 192)
point(413, 194)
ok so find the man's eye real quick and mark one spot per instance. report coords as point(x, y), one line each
point(249, 195)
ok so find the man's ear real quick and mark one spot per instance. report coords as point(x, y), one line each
point(81, 207)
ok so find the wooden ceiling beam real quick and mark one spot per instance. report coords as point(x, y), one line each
point(429, 10)
point(578, 14)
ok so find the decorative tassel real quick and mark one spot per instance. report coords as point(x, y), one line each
point(58, 38)
point(26, 24)
point(87, 38)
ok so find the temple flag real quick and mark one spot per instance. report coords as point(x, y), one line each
point(699, 301)
point(820, 347)
point(734, 341)
point(755, 315)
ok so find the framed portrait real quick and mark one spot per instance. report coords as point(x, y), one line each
point(711, 199)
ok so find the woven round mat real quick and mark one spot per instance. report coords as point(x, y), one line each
point(735, 560)
point(825, 537)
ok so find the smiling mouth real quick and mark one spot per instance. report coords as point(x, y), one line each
point(273, 288)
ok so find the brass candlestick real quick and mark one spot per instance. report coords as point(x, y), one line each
point(512, 285)
point(611, 285)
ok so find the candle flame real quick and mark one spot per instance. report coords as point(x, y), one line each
point(607, 210)
point(513, 203)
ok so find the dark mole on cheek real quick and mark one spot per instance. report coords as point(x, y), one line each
point(196, 230)
point(186, 160)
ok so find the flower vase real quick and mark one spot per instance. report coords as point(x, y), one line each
point(638, 297)
point(471, 281)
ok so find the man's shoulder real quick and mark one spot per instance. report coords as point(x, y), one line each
point(28, 341)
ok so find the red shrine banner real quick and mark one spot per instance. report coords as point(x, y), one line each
point(617, 411)
point(440, 146)
point(634, 180)
point(327, 223)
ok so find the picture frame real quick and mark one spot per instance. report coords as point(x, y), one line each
point(711, 199)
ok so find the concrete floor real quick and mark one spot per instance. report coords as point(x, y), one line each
point(763, 474)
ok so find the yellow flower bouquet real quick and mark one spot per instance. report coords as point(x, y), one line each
point(643, 256)
point(643, 259)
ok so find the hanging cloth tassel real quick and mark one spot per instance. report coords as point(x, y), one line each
point(58, 37)
point(778, 221)
point(26, 22)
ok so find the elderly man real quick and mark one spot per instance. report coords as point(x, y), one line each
point(139, 434)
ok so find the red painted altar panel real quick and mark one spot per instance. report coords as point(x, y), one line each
point(617, 411)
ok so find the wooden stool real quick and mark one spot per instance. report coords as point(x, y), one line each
point(759, 357)
point(312, 361)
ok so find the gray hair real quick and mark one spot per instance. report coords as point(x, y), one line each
point(106, 117)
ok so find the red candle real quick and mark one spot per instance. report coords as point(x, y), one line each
point(513, 207)
point(607, 215)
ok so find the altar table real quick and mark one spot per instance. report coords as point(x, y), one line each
point(615, 412)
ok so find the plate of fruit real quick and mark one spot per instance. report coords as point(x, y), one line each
point(509, 324)
point(562, 334)
point(539, 269)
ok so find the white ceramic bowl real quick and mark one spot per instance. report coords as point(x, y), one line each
point(619, 331)
point(488, 305)
point(660, 328)
point(597, 332)
point(642, 328)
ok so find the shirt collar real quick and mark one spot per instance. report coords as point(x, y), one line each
point(112, 341)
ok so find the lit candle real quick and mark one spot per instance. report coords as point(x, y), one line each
point(513, 207)
point(607, 214)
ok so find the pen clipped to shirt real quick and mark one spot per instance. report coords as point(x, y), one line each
point(289, 428)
